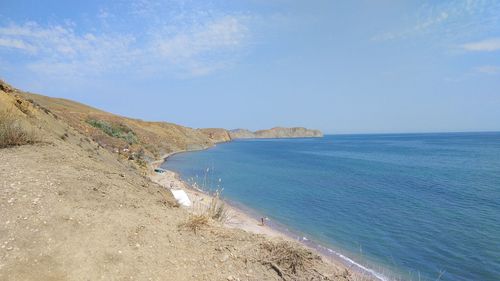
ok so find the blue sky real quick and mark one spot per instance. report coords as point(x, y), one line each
point(339, 66)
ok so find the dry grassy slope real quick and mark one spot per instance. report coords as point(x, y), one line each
point(155, 138)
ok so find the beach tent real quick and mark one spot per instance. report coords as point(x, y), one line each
point(181, 197)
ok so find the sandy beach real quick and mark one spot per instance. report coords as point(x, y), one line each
point(236, 217)
point(240, 219)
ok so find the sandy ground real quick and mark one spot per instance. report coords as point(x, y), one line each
point(236, 217)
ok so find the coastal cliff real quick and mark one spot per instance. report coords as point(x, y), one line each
point(277, 132)
point(216, 135)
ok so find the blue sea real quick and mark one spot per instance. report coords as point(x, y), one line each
point(412, 206)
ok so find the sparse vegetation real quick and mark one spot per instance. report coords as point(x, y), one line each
point(217, 209)
point(287, 258)
point(139, 159)
point(196, 222)
point(115, 130)
point(12, 133)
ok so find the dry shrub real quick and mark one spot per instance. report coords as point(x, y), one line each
point(12, 133)
point(217, 210)
point(288, 258)
point(196, 222)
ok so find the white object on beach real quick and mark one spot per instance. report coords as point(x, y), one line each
point(181, 197)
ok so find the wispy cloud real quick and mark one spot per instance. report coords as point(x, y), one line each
point(181, 46)
point(213, 42)
point(421, 26)
point(489, 69)
point(16, 44)
point(488, 45)
point(448, 21)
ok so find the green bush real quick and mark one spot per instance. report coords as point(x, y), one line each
point(115, 130)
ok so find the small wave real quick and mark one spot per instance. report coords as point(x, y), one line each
point(377, 275)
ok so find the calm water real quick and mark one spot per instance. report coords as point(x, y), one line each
point(414, 204)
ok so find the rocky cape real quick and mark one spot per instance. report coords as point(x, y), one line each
point(277, 132)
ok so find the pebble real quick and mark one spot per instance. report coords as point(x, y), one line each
point(224, 258)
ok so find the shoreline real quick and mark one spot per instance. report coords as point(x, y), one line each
point(248, 220)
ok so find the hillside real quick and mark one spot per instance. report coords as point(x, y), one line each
point(277, 132)
point(129, 137)
point(72, 210)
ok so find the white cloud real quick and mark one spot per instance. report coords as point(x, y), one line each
point(16, 44)
point(489, 69)
point(215, 38)
point(487, 45)
point(62, 44)
point(196, 48)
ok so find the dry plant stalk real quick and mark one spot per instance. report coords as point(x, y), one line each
point(287, 258)
point(196, 222)
point(217, 209)
point(12, 133)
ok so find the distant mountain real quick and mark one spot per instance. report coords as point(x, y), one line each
point(277, 132)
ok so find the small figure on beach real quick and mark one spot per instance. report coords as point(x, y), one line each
point(262, 221)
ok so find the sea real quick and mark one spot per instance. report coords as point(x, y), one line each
point(399, 206)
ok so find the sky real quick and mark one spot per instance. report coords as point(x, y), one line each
point(341, 66)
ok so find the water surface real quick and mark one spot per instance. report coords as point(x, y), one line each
point(413, 204)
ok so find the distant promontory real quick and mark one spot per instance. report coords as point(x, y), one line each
point(277, 132)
